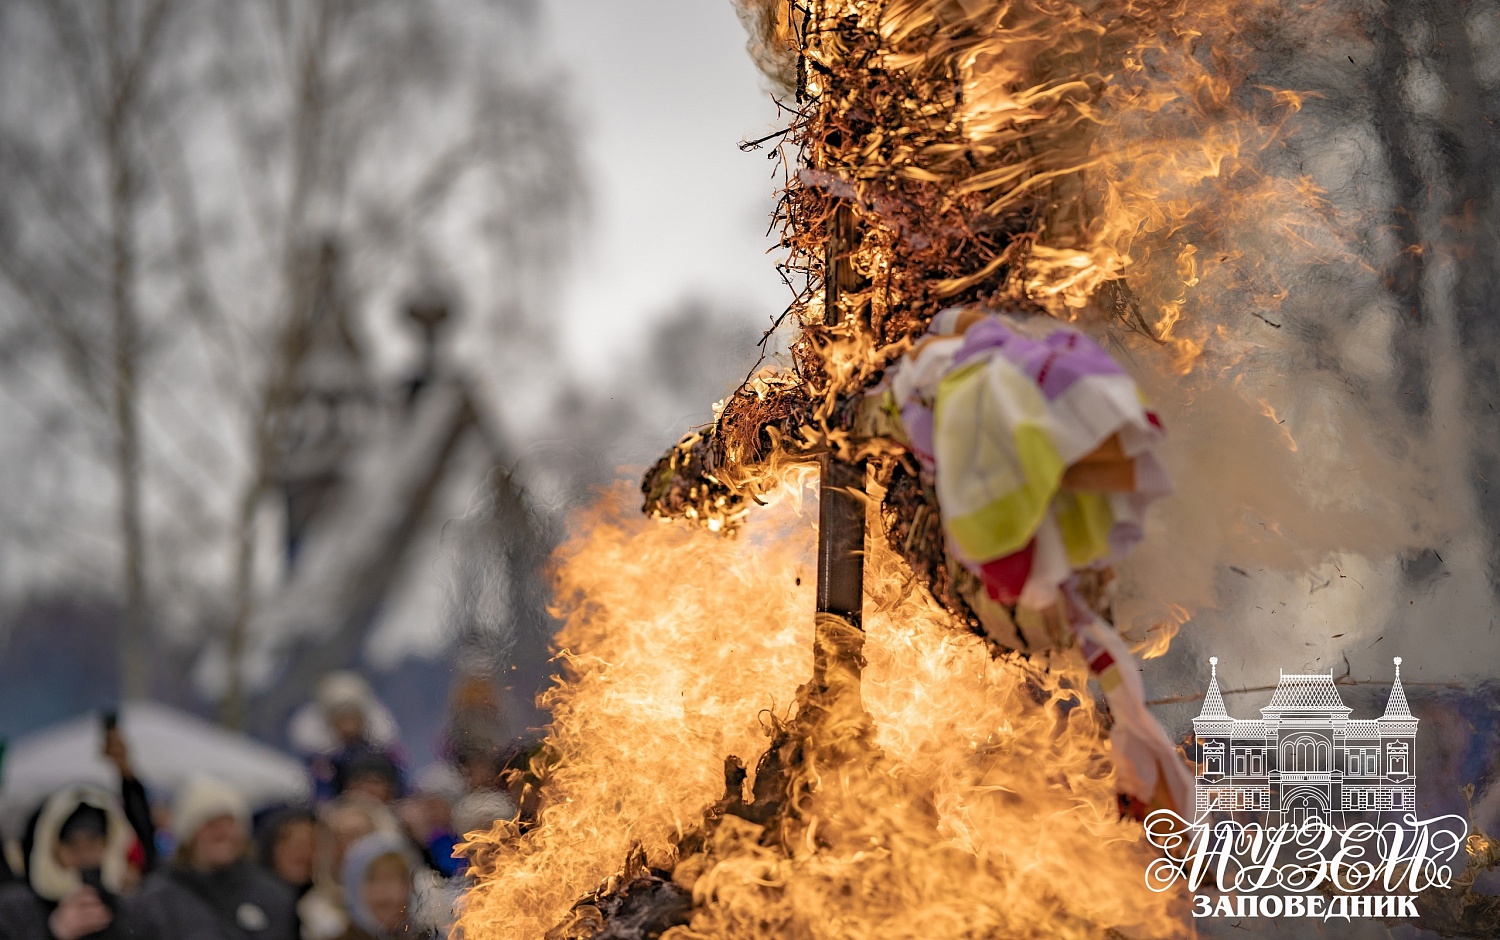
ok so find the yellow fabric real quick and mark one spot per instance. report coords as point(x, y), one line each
point(997, 467)
point(1084, 520)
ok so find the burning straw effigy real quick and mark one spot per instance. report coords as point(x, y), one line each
point(894, 744)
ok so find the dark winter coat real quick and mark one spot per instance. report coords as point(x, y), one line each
point(26, 905)
point(241, 902)
point(23, 916)
point(137, 808)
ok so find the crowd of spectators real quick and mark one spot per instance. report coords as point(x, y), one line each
point(370, 856)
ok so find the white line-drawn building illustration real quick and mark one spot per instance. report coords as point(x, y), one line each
point(1305, 757)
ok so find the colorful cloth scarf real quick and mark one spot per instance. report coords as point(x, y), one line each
point(1042, 453)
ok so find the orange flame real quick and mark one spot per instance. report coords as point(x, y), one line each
point(988, 806)
point(985, 803)
point(1139, 127)
point(1270, 412)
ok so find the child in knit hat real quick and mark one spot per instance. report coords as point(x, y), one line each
point(378, 886)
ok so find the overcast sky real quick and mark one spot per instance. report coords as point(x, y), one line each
point(665, 92)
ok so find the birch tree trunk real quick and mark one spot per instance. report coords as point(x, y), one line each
point(127, 64)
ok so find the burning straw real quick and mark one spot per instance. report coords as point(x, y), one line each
point(1067, 159)
point(1092, 162)
point(988, 810)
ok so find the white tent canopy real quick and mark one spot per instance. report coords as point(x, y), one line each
point(167, 747)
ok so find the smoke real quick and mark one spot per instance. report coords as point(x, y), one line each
point(1308, 199)
point(1327, 448)
point(1334, 447)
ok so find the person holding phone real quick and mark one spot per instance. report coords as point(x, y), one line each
point(78, 873)
point(133, 798)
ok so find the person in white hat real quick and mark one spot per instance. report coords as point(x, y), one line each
point(211, 890)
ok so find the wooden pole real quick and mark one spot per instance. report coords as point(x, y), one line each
point(841, 512)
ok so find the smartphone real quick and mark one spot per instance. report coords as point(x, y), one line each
point(110, 719)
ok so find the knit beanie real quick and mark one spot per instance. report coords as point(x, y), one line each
point(344, 690)
point(357, 861)
point(201, 800)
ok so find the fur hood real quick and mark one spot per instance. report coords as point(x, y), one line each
point(54, 882)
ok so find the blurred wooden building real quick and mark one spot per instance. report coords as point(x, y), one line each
point(408, 548)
